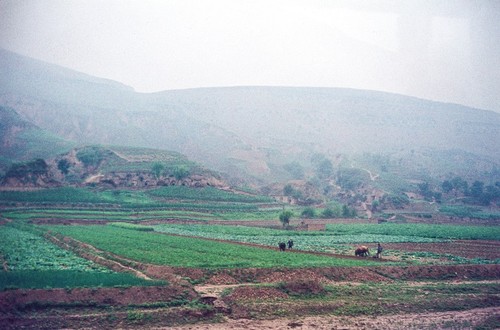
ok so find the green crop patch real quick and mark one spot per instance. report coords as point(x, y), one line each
point(24, 250)
point(131, 226)
point(205, 194)
point(318, 241)
point(33, 262)
point(191, 252)
point(433, 231)
point(41, 279)
point(55, 195)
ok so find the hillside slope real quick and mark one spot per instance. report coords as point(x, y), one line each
point(21, 140)
point(249, 132)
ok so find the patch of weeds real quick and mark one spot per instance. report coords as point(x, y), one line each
point(226, 292)
point(357, 309)
point(195, 281)
point(280, 312)
point(138, 317)
point(197, 304)
point(158, 304)
point(177, 302)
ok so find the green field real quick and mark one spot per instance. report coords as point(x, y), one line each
point(34, 262)
point(206, 201)
point(433, 231)
point(205, 194)
point(23, 250)
point(43, 279)
point(176, 251)
point(343, 238)
point(310, 241)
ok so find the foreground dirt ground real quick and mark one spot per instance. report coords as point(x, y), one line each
point(481, 317)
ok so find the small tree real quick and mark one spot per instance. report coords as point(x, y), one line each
point(181, 172)
point(295, 169)
point(285, 217)
point(63, 165)
point(324, 169)
point(447, 186)
point(288, 190)
point(308, 213)
point(90, 156)
point(157, 168)
point(345, 211)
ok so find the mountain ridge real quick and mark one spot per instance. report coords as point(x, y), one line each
point(246, 131)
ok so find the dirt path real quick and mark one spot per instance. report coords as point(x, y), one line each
point(372, 177)
point(438, 320)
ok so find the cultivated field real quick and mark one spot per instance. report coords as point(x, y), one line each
point(211, 261)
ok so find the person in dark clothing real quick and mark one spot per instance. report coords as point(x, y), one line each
point(290, 244)
point(379, 250)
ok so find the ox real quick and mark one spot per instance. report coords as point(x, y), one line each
point(362, 251)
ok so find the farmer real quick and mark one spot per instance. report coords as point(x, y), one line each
point(290, 244)
point(379, 250)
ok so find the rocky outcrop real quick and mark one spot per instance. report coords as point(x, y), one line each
point(147, 180)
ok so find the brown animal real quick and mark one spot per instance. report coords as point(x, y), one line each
point(362, 251)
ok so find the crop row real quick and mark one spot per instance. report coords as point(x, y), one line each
point(56, 195)
point(310, 241)
point(34, 262)
point(41, 279)
point(191, 211)
point(131, 226)
point(205, 194)
point(24, 250)
point(129, 198)
point(191, 252)
point(420, 230)
point(105, 215)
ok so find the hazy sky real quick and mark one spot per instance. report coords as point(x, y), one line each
point(440, 50)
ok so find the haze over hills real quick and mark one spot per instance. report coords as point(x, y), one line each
point(252, 132)
point(24, 141)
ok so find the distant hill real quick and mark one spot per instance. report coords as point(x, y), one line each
point(20, 140)
point(254, 133)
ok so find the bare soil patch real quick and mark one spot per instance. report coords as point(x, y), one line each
point(438, 320)
point(13, 301)
point(60, 221)
point(463, 248)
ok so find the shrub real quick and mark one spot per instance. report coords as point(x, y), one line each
point(308, 213)
point(181, 172)
point(90, 156)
